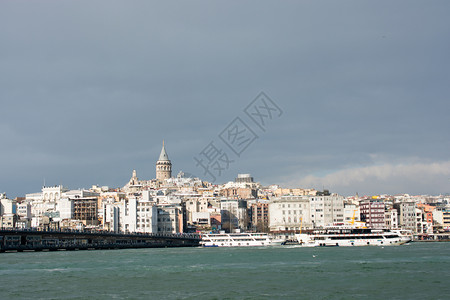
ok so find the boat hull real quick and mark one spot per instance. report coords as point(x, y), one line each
point(351, 238)
point(239, 240)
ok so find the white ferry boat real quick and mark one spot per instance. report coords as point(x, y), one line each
point(238, 240)
point(329, 237)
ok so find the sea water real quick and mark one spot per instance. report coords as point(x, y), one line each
point(413, 271)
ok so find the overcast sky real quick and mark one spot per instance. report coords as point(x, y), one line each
point(89, 90)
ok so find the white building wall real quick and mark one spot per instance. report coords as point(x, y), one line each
point(8, 206)
point(438, 216)
point(33, 197)
point(136, 215)
point(53, 193)
point(170, 219)
point(111, 217)
point(289, 213)
point(327, 210)
point(24, 210)
point(391, 219)
point(201, 218)
point(146, 217)
point(351, 213)
point(65, 208)
point(128, 215)
point(408, 216)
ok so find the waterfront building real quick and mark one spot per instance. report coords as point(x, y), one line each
point(201, 219)
point(391, 218)
point(372, 212)
point(41, 207)
point(233, 214)
point(86, 210)
point(111, 217)
point(146, 213)
point(197, 208)
point(289, 213)
point(7, 206)
point(109, 197)
point(163, 166)
point(24, 210)
point(258, 212)
point(441, 218)
point(8, 212)
point(427, 211)
point(351, 214)
point(66, 208)
point(421, 224)
point(170, 219)
point(136, 215)
point(326, 209)
point(407, 215)
point(8, 221)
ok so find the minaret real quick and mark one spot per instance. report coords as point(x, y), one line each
point(163, 166)
point(134, 180)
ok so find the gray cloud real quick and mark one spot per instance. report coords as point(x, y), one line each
point(88, 90)
point(412, 178)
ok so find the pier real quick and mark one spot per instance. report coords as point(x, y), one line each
point(22, 240)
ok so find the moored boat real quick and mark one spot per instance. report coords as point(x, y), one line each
point(245, 239)
point(343, 236)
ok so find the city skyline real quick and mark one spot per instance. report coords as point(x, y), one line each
point(362, 88)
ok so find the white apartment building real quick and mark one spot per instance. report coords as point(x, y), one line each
point(326, 210)
point(288, 213)
point(197, 209)
point(146, 217)
point(33, 197)
point(111, 217)
point(351, 214)
point(407, 216)
point(421, 225)
point(65, 208)
point(136, 215)
point(41, 207)
point(7, 206)
point(24, 210)
point(170, 218)
point(391, 218)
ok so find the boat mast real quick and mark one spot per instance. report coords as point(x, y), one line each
point(301, 224)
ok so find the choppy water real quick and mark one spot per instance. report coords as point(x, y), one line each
point(415, 271)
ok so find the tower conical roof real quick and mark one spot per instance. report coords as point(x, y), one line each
point(163, 156)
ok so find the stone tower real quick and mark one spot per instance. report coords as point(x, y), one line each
point(163, 166)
